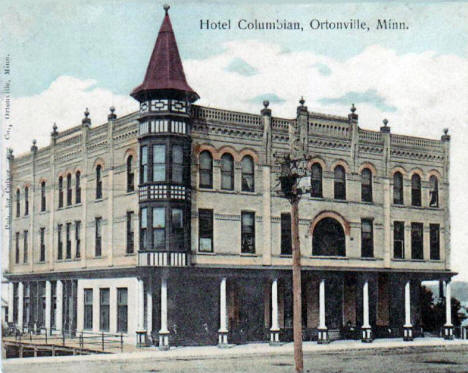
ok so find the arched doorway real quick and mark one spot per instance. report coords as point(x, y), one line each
point(328, 238)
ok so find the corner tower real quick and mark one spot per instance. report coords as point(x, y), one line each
point(165, 151)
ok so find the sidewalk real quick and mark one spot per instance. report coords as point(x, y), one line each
point(253, 349)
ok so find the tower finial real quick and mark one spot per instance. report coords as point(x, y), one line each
point(166, 8)
point(302, 101)
point(353, 108)
point(86, 120)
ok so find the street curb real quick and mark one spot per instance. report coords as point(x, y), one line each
point(243, 351)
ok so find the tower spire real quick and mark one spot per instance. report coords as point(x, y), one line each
point(165, 70)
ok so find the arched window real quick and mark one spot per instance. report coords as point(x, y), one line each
point(26, 201)
point(366, 185)
point(130, 175)
point(69, 190)
point(316, 180)
point(60, 190)
point(416, 190)
point(18, 203)
point(43, 196)
point(328, 238)
point(99, 182)
point(398, 188)
point(434, 191)
point(248, 180)
point(340, 182)
point(227, 172)
point(78, 187)
point(206, 170)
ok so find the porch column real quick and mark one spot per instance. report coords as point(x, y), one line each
point(223, 327)
point(275, 330)
point(141, 332)
point(48, 303)
point(149, 311)
point(408, 327)
point(11, 300)
point(59, 309)
point(448, 327)
point(366, 328)
point(20, 305)
point(322, 336)
point(164, 332)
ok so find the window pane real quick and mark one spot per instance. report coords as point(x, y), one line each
point(177, 218)
point(159, 217)
point(159, 153)
point(144, 217)
point(177, 154)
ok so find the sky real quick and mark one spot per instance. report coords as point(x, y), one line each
point(66, 56)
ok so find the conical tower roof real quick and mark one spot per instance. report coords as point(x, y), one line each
point(165, 70)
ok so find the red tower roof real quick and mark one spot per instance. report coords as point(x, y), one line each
point(165, 70)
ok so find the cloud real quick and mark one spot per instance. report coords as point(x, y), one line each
point(323, 69)
point(271, 97)
point(370, 96)
point(238, 65)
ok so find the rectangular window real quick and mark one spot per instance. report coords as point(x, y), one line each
point(367, 238)
point(77, 239)
point(60, 187)
point(78, 187)
point(69, 190)
point(59, 242)
point(122, 310)
point(177, 225)
point(417, 241)
point(144, 228)
point(26, 201)
point(42, 245)
point(177, 163)
point(159, 162)
point(435, 241)
point(17, 248)
point(25, 247)
point(68, 240)
point(205, 230)
point(286, 238)
point(144, 164)
point(98, 238)
point(88, 309)
point(248, 232)
point(130, 235)
point(398, 239)
point(43, 196)
point(159, 228)
point(104, 310)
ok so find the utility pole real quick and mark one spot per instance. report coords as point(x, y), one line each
point(292, 171)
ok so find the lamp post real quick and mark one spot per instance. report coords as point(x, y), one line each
point(293, 171)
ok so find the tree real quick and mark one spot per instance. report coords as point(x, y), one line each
point(433, 312)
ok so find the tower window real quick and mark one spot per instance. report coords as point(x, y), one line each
point(144, 228)
point(68, 241)
point(206, 170)
point(398, 239)
point(159, 162)
point(340, 182)
point(17, 247)
point(59, 242)
point(18, 203)
point(177, 229)
point(159, 227)
point(248, 179)
point(98, 237)
point(177, 163)
point(316, 181)
point(398, 188)
point(227, 172)
point(130, 175)
point(435, 241)
point(366, 185)
point(416, 190)
point(42, 245)
point(77, 239)
point(130, 234)
point(144, 164)
point(25, 247)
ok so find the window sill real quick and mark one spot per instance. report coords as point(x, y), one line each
point(97, 200)
point(66, 260)
point(418, 207)
point(287, 256)
point(130, 254)
point(253, 255)
point(130, 193)
point(410, 260)
point(43, 212)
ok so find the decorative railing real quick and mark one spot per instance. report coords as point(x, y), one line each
point(163, 259)
point(370, 136)
point(330, 129)
point(414, 141)
point(204, 113)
